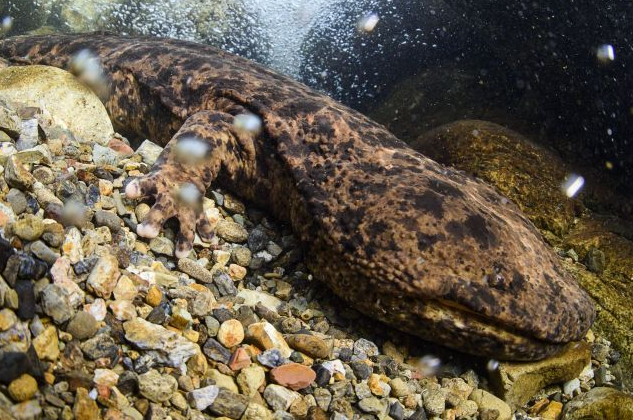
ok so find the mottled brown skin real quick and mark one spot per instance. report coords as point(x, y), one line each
point(417, 245)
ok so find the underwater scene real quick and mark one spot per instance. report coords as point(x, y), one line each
point(313, 209)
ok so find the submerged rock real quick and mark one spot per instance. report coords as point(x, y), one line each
point(528, 174)
point(600, 404)
point(518, 382)
point(69, 101)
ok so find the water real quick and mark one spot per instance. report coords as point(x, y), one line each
point(557, 75)
point(555, 78)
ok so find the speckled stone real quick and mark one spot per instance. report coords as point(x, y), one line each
point(156, 387)
point(23, 388)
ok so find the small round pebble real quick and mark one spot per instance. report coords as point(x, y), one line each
point(231, 333)
point(23, 388)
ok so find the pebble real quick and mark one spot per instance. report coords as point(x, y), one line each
point(280, 398)
point(241, 256)
point(72, 245)
point(571, 387)
point(125, 289)
point(108, 219)
point(123, 310)
point(195, 270)
point(103, 277)
point(97, 309)
point(271, 358)
point(16, 174)
point(237, 272)
point(231, 231)
point(17, 200)
point(56, 303)
point(173, 348)
point(163, 246)
point(23, 388)
point(266, 336)
point(488, 402)
point(434, 402)
point(104, 155)
point(26, 299)
point(312, 345)
point(85, 407)
point(149, 152)
point(257, 240)
point(216, 351)
point(29, 227)
point(225, 284)
point(251, 379)
point(100, 346)
point(82, 326)
point(156, 387)
point(43, 252)
point(154, 296)
point(202, 398)
point(293, 376)
point(231, 333)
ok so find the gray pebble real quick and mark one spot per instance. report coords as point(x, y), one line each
point(82, 326)
point(106, 218)
point(17, 200)
point(56, 304)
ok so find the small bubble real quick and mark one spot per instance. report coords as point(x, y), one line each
point(492, 365)
point(191, 150)
point(368, 22)
point(572, 185)
point(428, 365)
point(189, 194)
point(248, 122)
point(74, 212)
point(605, 53)
point(475, 133)
point(6, 24)
point(88, 68)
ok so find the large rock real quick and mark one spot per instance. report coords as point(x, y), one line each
point(528, 174)
point(71, 103)
point(600, 404)
point(516, 383)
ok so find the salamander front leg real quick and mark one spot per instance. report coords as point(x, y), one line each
point(204, 145)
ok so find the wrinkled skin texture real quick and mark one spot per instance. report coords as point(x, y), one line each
point(403, 239)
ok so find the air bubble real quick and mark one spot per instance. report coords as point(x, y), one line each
point(189, 194)
point(368, 22)
point(248, 122)
point(428, 365)
point(492, 365)
point(6, 24)
point(605, 53)
point(191, 150)
point(572, 185)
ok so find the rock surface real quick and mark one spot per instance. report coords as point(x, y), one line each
point(518, 382)
point(600, 404)
point(71, 102)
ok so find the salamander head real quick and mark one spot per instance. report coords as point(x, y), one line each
point(452, 261)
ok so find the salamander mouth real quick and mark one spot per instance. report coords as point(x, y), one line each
point(453, 325)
